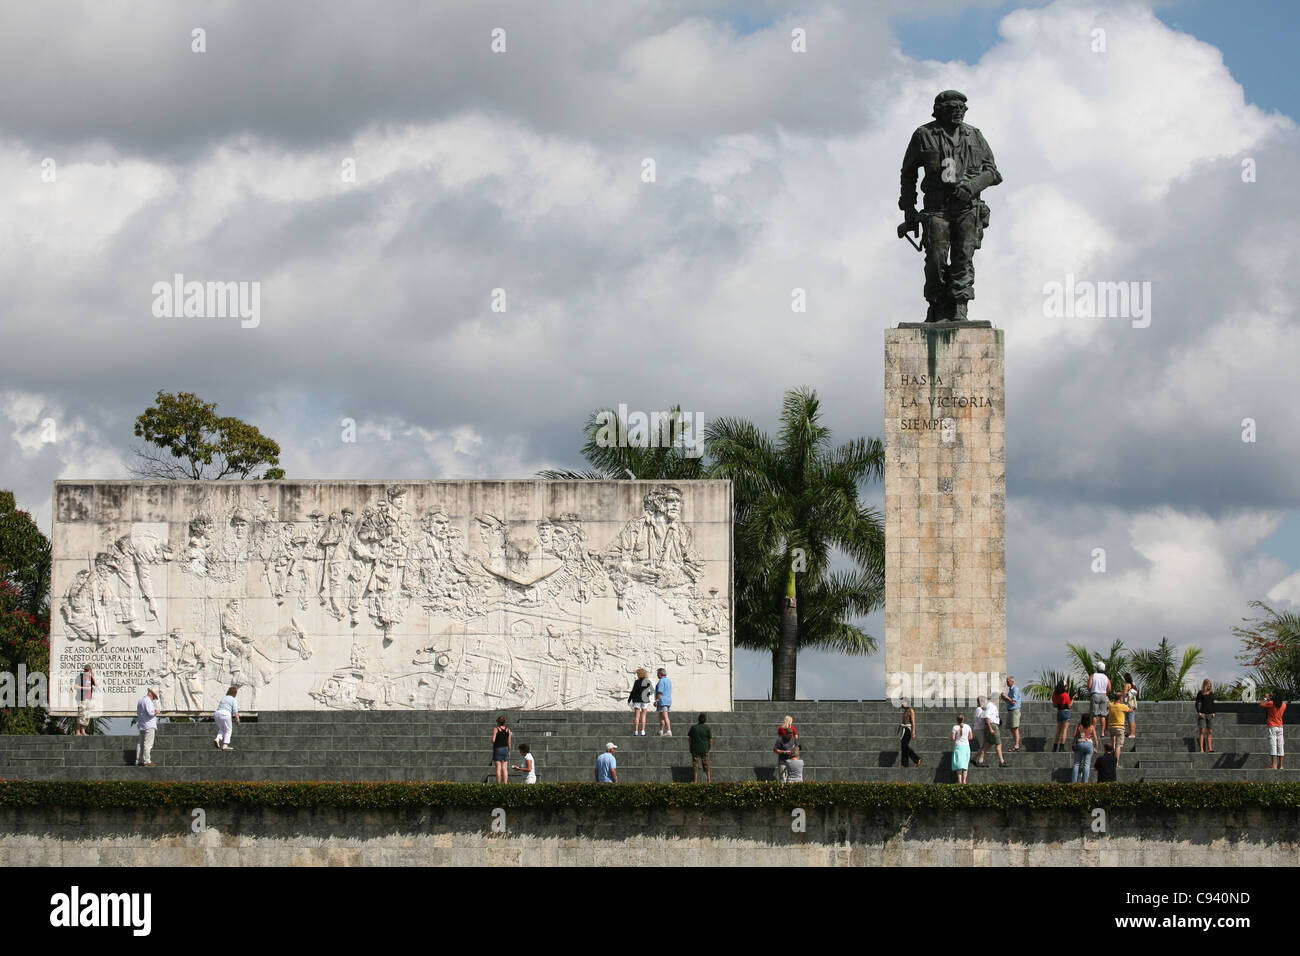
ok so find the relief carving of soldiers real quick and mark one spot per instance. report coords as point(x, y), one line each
point(580, 576)
point(379, 562)
point(657, 548)
point(91, 594)
point(236, 645)
point(383, 536)
point(134, 555)
point(328, 543)
point(181, 677)
point(196, 550)
point(313, 557)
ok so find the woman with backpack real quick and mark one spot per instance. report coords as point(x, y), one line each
point(639, 697)
point(1061, 698)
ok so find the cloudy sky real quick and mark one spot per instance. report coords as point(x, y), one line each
point(380, 170)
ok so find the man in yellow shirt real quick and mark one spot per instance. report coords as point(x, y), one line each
point(1115, 721)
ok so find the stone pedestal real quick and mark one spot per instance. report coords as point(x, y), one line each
point(945, 494)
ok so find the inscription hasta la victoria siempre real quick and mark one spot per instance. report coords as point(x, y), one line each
point(933, 402)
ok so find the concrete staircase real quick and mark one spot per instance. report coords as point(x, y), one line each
point(841, 740)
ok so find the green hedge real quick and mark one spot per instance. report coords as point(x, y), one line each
point(140, 795)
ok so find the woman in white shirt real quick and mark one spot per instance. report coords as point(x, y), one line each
point(529, 767)
point(961, 738)
point(227, 711)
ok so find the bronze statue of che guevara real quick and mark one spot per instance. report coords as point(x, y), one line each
point(958, 167)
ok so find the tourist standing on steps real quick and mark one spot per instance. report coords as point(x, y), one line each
point(227, 711)
point(907, 728)
point(663, 702)
point(1012, 698)
point(788, 730)
point(146, 719)
point(991, 736)
point(1274, 707)
point(86, 685)
point(1099, 688)
point(501, 737)
point(1061, 698)
point(961, 738)
point(978, 724)
point(701, 744)
point(1205, 717)
point(794, 767)
point(1107, 766)
point(1085, 744)
point(1116, 718)
point(639, 697)
point(1131, 698)
point(529, 767)
point(606, 765)
point(783, 749)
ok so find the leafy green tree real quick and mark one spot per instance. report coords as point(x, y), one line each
point(186, 439)
point(1271, 648)
point(662, 450)
point(796, 502)
point(1160, 674)
point(24, 609)
point(1083, 662)
point(24, 556)
point(1043, 686)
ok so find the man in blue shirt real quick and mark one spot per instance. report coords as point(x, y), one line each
point(606, 765)
point(663, 701)
point(1011, 697)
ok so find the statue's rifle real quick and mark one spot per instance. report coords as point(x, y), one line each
point(911, 225)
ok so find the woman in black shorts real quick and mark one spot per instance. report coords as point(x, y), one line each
point(501, 749)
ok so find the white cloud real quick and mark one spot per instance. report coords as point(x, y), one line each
point(775, 171)
point(1188, 577)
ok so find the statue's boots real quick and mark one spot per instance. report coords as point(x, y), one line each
point(940, 311)
point(959, 311)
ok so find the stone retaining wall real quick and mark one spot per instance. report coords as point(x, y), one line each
point(756, 837)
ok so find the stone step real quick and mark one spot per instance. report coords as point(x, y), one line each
point(843, 740)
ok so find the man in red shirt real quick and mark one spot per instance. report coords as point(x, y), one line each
point(1274, 707)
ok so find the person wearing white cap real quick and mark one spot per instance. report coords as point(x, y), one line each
point(146, 718)
point(606, 765)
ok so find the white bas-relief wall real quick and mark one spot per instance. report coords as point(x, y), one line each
point(433, 595)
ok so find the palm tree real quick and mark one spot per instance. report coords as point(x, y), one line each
point(796, 500)
point(1271, 646)
point(1044, 685)
point(1083, 662)
point(617, 450)
point(1160, 675)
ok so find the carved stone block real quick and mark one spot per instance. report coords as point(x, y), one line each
point(434, 595)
